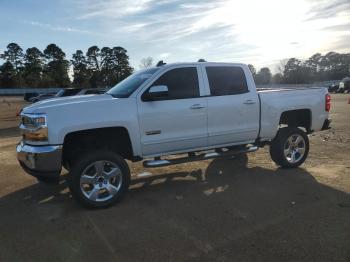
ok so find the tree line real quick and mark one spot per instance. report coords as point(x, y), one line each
point(331, 66)
point(107, 66)
point(50, 68)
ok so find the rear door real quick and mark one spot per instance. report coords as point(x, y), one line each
point(179, 121)
point(233, 109)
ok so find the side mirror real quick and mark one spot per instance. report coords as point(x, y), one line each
point(157, 92)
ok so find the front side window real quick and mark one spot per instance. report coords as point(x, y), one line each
point(226, 80)
point(181, 82)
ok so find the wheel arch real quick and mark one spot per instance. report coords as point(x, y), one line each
point(297, 118)
point(115, 139)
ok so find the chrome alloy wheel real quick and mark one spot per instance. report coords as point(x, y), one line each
point(101, 181)
point(294, 148)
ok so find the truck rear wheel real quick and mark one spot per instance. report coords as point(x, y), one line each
point(290, 147)
point(99, 179)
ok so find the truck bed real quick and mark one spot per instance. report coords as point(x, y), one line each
point(275, 101)
point(284, 89)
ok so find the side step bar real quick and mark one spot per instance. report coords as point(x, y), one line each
point(157, 162)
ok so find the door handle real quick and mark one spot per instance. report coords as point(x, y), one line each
point(249, 102)
point(197, 106)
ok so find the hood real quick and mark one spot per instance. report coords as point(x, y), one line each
point(46, 105)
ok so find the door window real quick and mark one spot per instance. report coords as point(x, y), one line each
point(226, 80)
point(181, 82)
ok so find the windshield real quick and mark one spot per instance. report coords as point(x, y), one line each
point(126, 87)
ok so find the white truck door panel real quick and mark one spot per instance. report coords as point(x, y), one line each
point(233, 109)
point(177, 123)
point(168, 126)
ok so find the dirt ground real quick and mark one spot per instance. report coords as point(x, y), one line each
point(243, 209)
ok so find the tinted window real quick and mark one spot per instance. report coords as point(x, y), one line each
point(226, 80)
point(181, 83)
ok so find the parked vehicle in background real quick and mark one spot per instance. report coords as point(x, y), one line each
point(333, 88)
point(204, 110)
point(41, 97)
point(29, 95)
point(68, 92)
point(344, 85)
point(92, 91)
point(62, 93)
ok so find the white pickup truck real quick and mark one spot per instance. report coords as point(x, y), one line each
point(204, 110)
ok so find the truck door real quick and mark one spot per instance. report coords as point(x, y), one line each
point(178, 120)
point(233, 109)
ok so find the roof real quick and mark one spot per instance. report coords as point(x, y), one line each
point(203, 63)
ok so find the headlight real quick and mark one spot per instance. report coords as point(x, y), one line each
point(34, 127)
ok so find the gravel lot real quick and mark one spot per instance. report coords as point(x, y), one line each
point(243, 209)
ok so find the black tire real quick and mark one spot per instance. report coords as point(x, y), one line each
point(279, 143)
point(86, 160)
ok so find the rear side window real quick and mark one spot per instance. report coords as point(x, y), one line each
point(181, 82)
point(226, 80)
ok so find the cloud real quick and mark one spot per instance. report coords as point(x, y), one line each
point(131, 16)
point(113, 9)
point(258, 32)
point(164, 55)
point(338, 28)
point(327, 9)
point(56, 27)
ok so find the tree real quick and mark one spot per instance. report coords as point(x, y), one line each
point(80, 70)
point(107, 66)
point(14, 55)
point(252, 70)
point(122, 67)
point(335, 65)
point(7, 75)
point(56, 68)
point(263, 76)
point(93, 58)
point(293, 71)
point(146, 62)
point(277, 78)
point(93, 62)
point(33, 67)
point(313, 64)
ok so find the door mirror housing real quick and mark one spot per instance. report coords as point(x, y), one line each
point(157, 92)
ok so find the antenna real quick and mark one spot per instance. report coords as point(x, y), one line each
point(160, 63)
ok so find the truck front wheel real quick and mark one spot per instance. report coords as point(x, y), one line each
point(99, 179)
point(290, 147)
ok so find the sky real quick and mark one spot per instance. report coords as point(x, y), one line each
point(258, 32)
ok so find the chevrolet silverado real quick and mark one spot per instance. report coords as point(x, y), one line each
point(194, 111)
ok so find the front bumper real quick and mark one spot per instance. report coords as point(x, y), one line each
point(40, 161)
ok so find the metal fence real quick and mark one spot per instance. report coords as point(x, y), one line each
point(22, 91)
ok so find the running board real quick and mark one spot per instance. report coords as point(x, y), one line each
point(203, 156)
